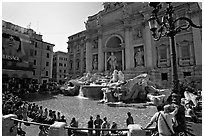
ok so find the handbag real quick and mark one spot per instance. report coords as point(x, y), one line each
point(155, 132)
point(172, 133)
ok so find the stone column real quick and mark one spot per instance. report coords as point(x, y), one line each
point(100, 54)
point(105, 61)
point(123, 61)
point(127, 47)
point(88, 56)
point(148, 48)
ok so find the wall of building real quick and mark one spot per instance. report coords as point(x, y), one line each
point(127, 23)
point(60, 67)
point(35, 50)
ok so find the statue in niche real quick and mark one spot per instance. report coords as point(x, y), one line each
point(139, 33)
point(95, 43)
point(95, 64)
point(112, 60)
point(139, 57)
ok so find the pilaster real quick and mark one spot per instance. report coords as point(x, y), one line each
point(100, 54)
point(88, 55)
point(127, 47)
point(148, 48)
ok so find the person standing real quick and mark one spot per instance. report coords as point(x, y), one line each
point(165, 124)
point(180, 115)
point(114, 126)
point(155, 119)
point(90, 125)
point(98, 122)
point(105, 125)
point(73, 123)
point(129, 120)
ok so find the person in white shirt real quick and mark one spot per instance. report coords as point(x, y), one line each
point(163, 129)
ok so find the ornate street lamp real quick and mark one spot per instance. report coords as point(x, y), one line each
point(166, 27)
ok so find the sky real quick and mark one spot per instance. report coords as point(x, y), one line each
point(55, 21)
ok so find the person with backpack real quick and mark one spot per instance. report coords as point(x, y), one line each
point(154, 119)
point(164, 120)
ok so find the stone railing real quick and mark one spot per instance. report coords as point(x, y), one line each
point(60, 129)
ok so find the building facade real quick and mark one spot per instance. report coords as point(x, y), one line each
point(60, 67)
point(77, 54)
point(25, 54)
point(121, 29)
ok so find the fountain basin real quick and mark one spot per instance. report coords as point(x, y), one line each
point(92, 91)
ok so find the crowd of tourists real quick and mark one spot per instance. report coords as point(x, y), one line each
point(176, 110)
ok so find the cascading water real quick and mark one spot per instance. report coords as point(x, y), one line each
point(81, 95)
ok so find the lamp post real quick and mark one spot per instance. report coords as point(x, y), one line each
point(166, 27)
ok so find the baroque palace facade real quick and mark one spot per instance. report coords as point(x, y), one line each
point(121, 28)
point(25, 55)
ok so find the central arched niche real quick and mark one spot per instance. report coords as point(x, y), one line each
point(114, 45)
point(113, 42)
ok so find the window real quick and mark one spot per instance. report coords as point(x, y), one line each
point(47, 64)
point(48, 55)
point(77, 64)
point(36, 44)
point(60, 70)
point(47, 73)
point(71, 64)
point(164, 76)
point(186, 74)
point(64, 71)
point(60, 76)
point(185, 53)
point(33, 72)
point(65, 65)
point(35, 62)
point(60, 64)
point(48, 47)
point(163, 55)
point(35, 53)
